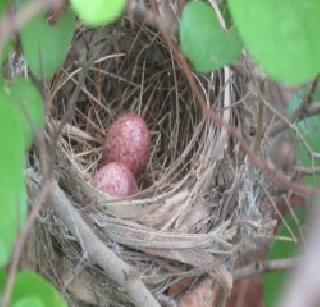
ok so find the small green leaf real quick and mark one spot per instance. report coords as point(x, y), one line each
point(13, 194)
point(3, 6)
point(32, 288)
point(31, 301)
point(283, 36)
point(2, 81)
point(45, 46)
point(309, 129)
point(203, 41)
point(29, 284)
point(274, 282)
point(3, 278)
point(98, 12)
point(30, 106)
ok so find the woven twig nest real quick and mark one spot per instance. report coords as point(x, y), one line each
point(177, 225)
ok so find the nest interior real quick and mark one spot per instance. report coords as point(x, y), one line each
point(182, 222)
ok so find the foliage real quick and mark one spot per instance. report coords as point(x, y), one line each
point(44, 45)
point(29, 301)
point(30, 107)
point(3, 5)
point(283, 36)
point(20, 105)
point(42, 293)
point(309, 128)
point(204, 42)
point(98, 12)
point(21, 114)
point(275, 281)
point(13, 194)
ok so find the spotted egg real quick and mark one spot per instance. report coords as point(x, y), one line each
point(128, 141)
point(115, 179)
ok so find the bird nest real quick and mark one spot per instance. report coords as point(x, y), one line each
point(182, 223)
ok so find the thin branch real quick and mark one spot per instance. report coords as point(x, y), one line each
point(98, 253)
point(265, 266)
point(303, 111)
point(313, 110)
point(20, 242)
point(299, 113)
point(260, 126)
point(307, 171)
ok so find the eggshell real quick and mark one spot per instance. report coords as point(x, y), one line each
point(115, 179)
point(128, 141)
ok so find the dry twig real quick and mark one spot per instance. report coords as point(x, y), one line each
point(307, 171)
point(304, 110)
point(98, 252)
point(265, 266)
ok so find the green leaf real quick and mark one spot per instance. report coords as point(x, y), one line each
point(13, 194)
point(3, 278)
point(2, 81)
point(31, 301)
point(31, 284)
point(309, 129)
point(98, 12)
point(30, 107)
point(283, 36)
point(274, 282)
point(203, 41)
point(16, 100)
point(31, 289)
point(3, 6)
point(45, 46)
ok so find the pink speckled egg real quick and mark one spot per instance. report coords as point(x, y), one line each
point(115, 179)
point(128, 141)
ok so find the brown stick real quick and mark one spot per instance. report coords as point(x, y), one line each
point(305, 110)
point(265, 266)
point(307, 171)
point(99, 253)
